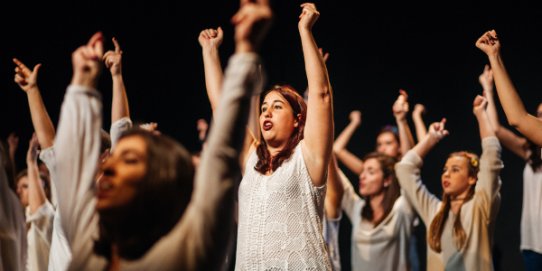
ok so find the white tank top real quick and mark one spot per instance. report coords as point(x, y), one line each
point(531, 214)
point(280, 219)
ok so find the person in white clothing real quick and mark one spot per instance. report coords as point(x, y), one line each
point(382, 220)
point(531, 214)
point(460, 226)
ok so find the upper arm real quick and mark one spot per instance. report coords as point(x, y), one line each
point(489, 183)
point(416, 193)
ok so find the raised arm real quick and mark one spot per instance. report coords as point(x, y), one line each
point(36, 194)
point(113, 61)
point(408, 173)
point(77, 145)
point(517, 116)
point(210, 40)
point(202, 236)
point(400, 111)
point(28, 81)
point(351, 161)
point(509, 139)
point(419, 124)
point(334, 191)
point(318, 132)
point(488, 183)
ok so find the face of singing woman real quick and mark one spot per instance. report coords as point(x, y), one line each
point(455, 176)
point(371, 179)
point(123, 172)
point(387, 144)
point(277, 122)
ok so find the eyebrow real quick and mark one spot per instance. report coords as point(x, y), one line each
point(131, 151)
point(275, 101)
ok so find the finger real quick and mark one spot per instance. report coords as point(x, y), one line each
point(23, 68)
point(326, 57)
point(403, 93)
point(19, 79)
point(220, 32)
point(486, 68)
point(96, 44)
point(117, 45)
point(36, 69)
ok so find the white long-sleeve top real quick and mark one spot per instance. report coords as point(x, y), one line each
point(477, 215)
point(381, 247)
point(12, 227)
point(39, 236)
point(200, 237)
point(60, 253)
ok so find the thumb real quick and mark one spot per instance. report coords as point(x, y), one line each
point(220, 32)
point(36, 69)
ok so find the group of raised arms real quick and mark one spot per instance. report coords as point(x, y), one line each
point(266, 191)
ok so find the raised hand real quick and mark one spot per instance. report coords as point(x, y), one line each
point(24, 77)
point(251, 24)
point(33, 149)
point(202, 127)
point(86, 62)
point(486, 79)
point(151, 127)
point(419, 109)
point(113, 59)
point(489, 43)
point(400, 107)
point(325, 55)
point(211, 38)
point(13, 142)
point(355, 117)
point(437, 130)
point(309, 16)
point(479, 105)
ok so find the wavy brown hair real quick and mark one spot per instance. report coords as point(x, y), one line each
point(391, 193)
point(299, 107)
point(437, 225)
point(162, 197)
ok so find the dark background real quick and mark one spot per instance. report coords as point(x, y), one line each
point(375, 50)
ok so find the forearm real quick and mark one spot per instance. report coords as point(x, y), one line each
point(345, 136)
point(213, 75)
point(419, 125)
point(351, 161)
point(36, 195)
point(509, 98)
point(484, 125)
point(405, 135)
point(317, 76)
point(41, 121)
point(77, 148)
point(424, 146)
point(120, 107)
point(334, 190)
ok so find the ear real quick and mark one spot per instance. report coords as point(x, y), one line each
point(387, 182)
point(296, 120)
point(472, 180)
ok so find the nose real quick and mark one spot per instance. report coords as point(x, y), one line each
point(108, 168)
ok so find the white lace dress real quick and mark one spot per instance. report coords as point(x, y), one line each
point(280, 219)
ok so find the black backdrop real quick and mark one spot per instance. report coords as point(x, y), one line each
point(375, 50)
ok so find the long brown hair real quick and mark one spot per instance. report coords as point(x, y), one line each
point(162, 197)
point(437, 225)
point(299, 107)
point(391, 192)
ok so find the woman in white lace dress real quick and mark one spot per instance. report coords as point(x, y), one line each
point(281, 196)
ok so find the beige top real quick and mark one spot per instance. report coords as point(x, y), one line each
point(384, 247)
point(477, 215)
